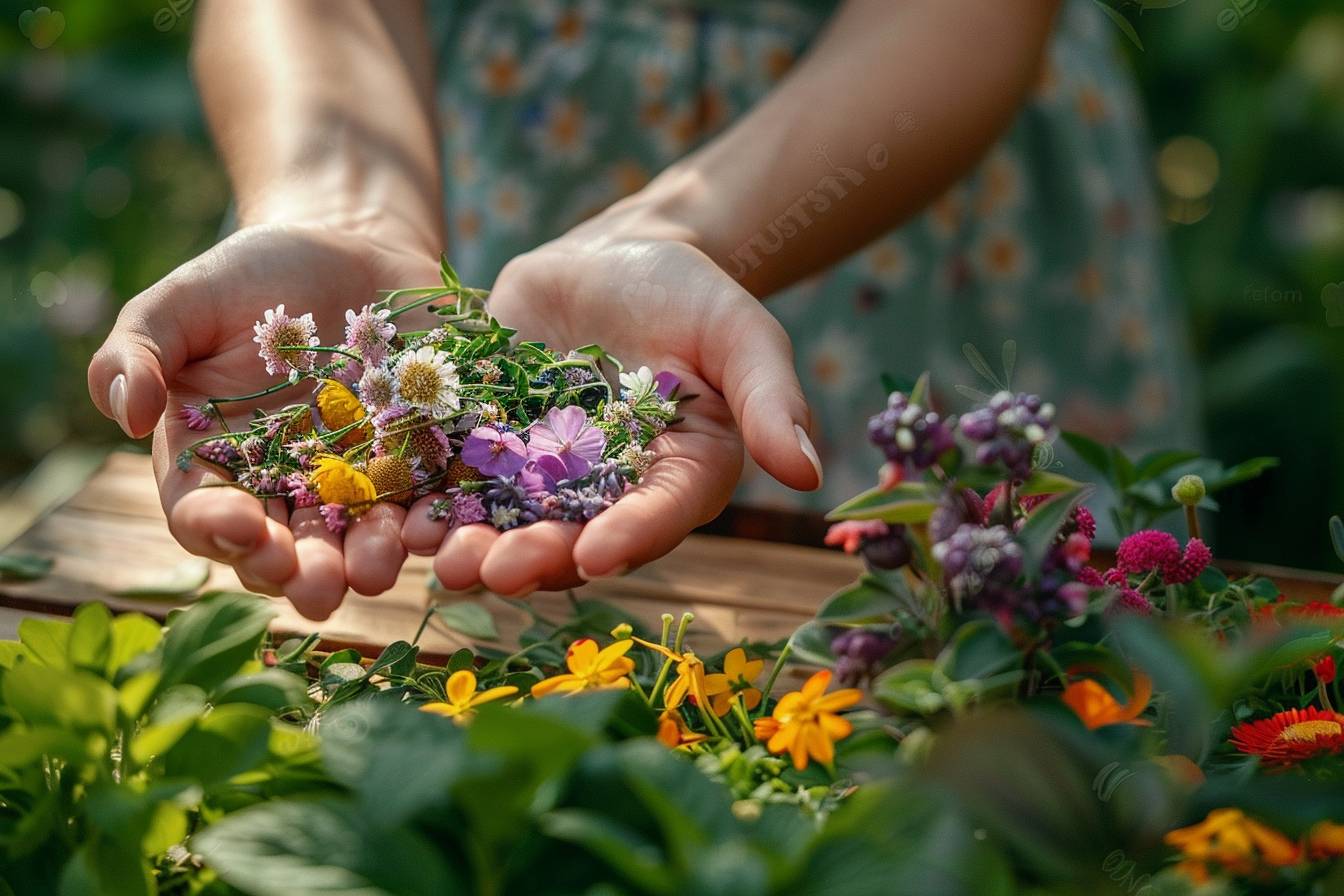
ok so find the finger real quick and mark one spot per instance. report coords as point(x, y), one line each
point(747, 357)
point(420, 534)
point(278, 510)
point(259, 587)
point(273, 562)
point(458, 562)
point(531, 557)
point(155, 334)
point(318, 584)
point(687, 486)
point(373, 549)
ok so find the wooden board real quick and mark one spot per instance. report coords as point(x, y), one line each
point(112, 535)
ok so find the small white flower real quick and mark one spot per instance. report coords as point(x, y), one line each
point(427, 379)
point(639, 384)
point(279, 329)
point(377, 388)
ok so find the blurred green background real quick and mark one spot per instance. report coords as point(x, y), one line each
point(107, 182)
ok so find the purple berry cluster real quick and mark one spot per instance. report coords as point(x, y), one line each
point(859, 653)
point(909, 435)
point(1008, 429)
point(982, 566)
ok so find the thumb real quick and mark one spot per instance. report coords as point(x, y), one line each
point(749, 358)
point(128, 375)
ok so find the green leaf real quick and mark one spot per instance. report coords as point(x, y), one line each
point(624, 849)
point(911, 686)
point(908, 502)
point(977, 650)
point(919, 393)
point(1242, 472)
point(10, 651)
point(90, 643)
point(182, 580)
point(1043, 482)
point(229, 740)
point(322, 847)
point(1094, 454)
point(1155, 464)
point(23, 567)
point(275, 689)
point(866, 599)
point(47, 640)
point(468, 618)
point(1121, 22)
point(396, 661)
point(211, 640)
point(133, 634)
point(1296, 651)
point(1337, 536)
point(811, 643)
point(1043, 524)
point(70, 698)
point(396, 759)
point(1125, 474)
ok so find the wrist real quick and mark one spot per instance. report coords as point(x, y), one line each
point(666, 209)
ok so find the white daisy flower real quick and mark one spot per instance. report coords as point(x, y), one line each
point(639, 384)
point(427, 379)
point(377, 388)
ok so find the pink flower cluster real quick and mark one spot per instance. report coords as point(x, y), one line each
point(1152, 550)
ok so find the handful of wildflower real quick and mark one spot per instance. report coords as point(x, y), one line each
point(510, 432)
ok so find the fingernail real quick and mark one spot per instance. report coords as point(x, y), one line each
point(618, 570)
point(810, 450)
point(116, 399)
point(229, 548)
point(525, 590)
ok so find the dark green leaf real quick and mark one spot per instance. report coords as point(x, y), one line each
point(229, 740)
point(1158, 462)
point(1094, 454)
point(396, 661)
point(24, 567)
point(1043, 482)
point(1042, 525)
point(811, 643)
point(275, 689)
point(468, 618)
point(1337, 536)
point(211, 640)
point(319, 848)
point(978, 649)
point(908, 502)
point(866, 599)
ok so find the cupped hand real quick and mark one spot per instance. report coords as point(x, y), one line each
point(661, 303)
point(190, 337)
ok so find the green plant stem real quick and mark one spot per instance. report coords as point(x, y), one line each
point(269, 390)
point(774, 674)
point(330, 349)
point(1192, 521)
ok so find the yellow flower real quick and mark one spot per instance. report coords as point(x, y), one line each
point(1326, 840)
point(463, 699)
point(1096, 707)
point(338, 407)
point(704, 689)
point(673, 731)
point(741, 674)
point(1228, 838)
point(804, 723)
point(338, 482)
point(590, 669)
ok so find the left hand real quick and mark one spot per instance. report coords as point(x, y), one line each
point(650, 300)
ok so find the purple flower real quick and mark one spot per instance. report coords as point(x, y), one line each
point(908, 434)
point(279, 329)
point(493, 452)
point(218, 451)
point(1008, 429)
point(335, 516)
point(467, 509)
point(666, 383)
point(859, 653)
point(982, 566)
point(542, 474)
point(196, 417)
point(368, 333)
point(566, 434)
point(300, 491)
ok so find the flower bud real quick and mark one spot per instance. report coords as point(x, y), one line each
point(1188, 490)
point(622, 631)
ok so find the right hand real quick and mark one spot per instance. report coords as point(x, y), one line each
point(189, 338)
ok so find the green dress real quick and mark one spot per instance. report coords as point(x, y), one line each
point(553, 109)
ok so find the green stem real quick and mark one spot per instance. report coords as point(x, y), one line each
point(774, 674)
point(1192, 521)
point(269, 390)
point(330, 349)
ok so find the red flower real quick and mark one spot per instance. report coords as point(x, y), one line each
point(1325, 669)
point(1315, 611)
point(1293, 736)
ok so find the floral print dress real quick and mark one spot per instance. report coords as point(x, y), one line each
point(554, 109)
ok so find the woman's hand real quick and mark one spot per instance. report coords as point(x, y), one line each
point(189, 337)
point(653, 300)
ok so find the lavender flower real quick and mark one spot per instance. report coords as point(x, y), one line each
point(1008, 429)
point(335, 516)
point(369, 332)
point(300, 491)
point(218, 451)
point(279, 329)
point(666, 383)
point(494, 452)
point(908, 434)
point(566, 434)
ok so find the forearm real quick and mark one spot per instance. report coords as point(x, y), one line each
point(894, 103)
point(323, 111)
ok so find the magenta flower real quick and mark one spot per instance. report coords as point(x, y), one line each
point(335, 516)
point(494, 453)
point(566, 434)
point(196, 417)
point(542, 475)
point(666, 383)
